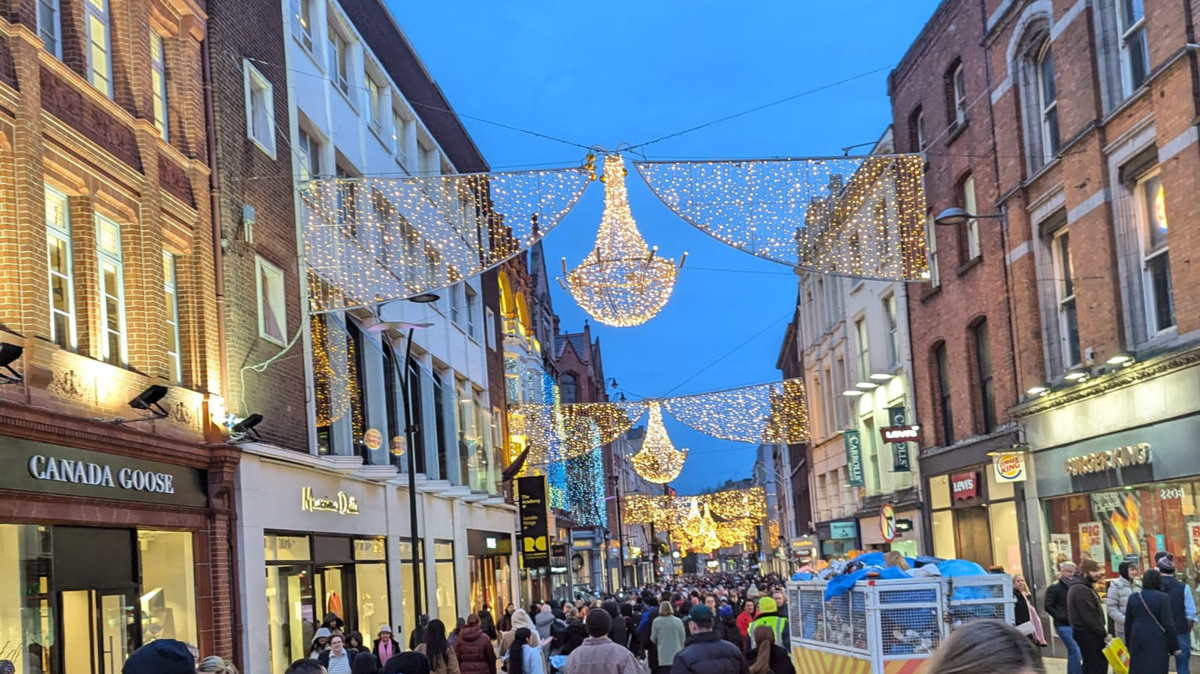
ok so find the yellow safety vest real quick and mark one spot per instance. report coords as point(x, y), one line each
point(777, 624)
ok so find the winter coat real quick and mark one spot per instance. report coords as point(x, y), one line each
point(708, 653)
point(617, 632)
point(519, 619)
point(731, 632)
point(644, 626)
point(1119, 591)
point(668, 636)
point(778, 623)
point(1150, 646)
point(447, 666)
point(475, 652)
point(396, 650)
point(1055, 603)
point(574, 637)
point(543, 620)
point(600, 655)
point(1084, 610)
point(487, 624)
point(323, 658)
point(743, 624)
point(781, 662)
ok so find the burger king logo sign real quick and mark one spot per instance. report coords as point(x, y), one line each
point(1009, 467)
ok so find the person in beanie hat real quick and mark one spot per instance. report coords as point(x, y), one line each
point(1086, 615)
point(385, 646)
point(163, 656)
point(770, 615)
point(599, 654)
point(705, 652)
point(1183, 609)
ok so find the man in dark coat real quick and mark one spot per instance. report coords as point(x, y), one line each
point(645, 623)
point(486, 623)
point(1056, 607)
point(617, 632)
point(1085, 611)
point(705, 652)
point(1183, 610)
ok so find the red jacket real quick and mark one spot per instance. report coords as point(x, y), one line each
point(743, 622)
point(475, 652)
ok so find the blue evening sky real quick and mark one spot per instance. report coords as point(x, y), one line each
point(628, 71)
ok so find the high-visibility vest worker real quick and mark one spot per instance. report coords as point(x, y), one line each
point(768, 614)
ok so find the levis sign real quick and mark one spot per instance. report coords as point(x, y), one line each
point(900, 433)
point(964, 485)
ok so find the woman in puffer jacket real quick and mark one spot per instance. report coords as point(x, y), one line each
point(1119, 591)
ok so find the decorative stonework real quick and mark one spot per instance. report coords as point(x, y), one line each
point(174, 180)
point(68, 104)
point(183, 414)
point(1128, 376)
point(69, 384)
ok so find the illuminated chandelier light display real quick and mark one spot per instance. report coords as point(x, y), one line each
point(701, 523)
point(658, 461)
point(852, 216)
point(622, 282)
point(372, 240)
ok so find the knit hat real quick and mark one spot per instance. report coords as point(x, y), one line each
point(162, 656)
point(597, 623)
point(767, 605)
point(384, 628)
point(322, 632)
point(726, 611)
point(1166, 563)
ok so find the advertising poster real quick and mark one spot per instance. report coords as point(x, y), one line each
point(1091, 543)
point(1060, 549)
point(535, 551)
point(1194, 541)
point(1120, 517)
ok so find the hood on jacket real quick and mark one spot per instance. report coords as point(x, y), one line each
point(163, 656)
point(1074, 580)
point(471, 634)
point(521, 619)
point(542, 618)
point(323, 632)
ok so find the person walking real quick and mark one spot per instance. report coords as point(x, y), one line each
point(437, 648)
point(668, 636)
point(519, 619)
point(337, 660)
point(728, 623)
point(215, 664)
point(410, 662)
point(544, 620)
point(1086, 615)
point(474, 649)
point(365, 663)
point(770, 615)
point(749, 612)
point(417, 636)
point(320, 643)
point(599, 654)
point(1055, 604)
point(505, 624)
point(522, 656)
point(575, 633)
point(487, 623)
point(162, 656)
point(617, 631)
point(768, 657)
point(704, 651)
point(1117, 596)
point(1149, 627)
point(385, 646)
point(1026, 619)
point(1183, 610)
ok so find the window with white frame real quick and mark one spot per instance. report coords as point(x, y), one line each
point(1064, 292)
point(374, 104)
point(959, 81)
point(1156, 262)
point(1134, 48)
point(1047, 103)
point(489, 326)
point(472, 308)
point(171, 291)
point(96, 22)
point(842, 411)
point(113, 347)
point(158, 83)
point(893, 325)
point(398, 129)
point(62, 274)
point(458, 304)
point(304, 23)
point(272, 307)
point(49, 24)
point(864, 353)
point(970, 234)
point(339, 54)
point(260, 109)
point(308, 155)
point(931, 251)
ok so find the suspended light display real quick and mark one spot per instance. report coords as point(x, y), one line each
point(622, 282)
point(658, 461)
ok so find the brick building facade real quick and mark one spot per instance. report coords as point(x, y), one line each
point(107, 246)
point(1074, 123)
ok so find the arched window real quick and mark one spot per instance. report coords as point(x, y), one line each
point(1047, 99)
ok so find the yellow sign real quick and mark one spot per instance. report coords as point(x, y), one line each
point(373, 439)
point(1098, 462)
point(340, 504)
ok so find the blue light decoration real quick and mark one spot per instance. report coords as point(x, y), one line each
point(585, 488)
point(556, 471)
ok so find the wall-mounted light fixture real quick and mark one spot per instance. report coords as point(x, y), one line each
point(147, 401)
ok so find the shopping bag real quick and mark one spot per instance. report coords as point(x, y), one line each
point(1118, 655)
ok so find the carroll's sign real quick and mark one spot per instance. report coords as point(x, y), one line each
point(1109, 459)
point(70, 471)
point(854, 464)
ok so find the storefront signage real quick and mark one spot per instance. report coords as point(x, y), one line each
point(804, 546)
point(1091, 545)
point(904, 525)
point(1009, 467)
point(854, 465)
point(70, 471)
point(489, 542)
point(900, 433)
point(898, 420)
point(535, 544)
point(341, 504)
point(1109, 459)
point(843, 530)
point(887, 522)
point(373, 439)
point(964, 486)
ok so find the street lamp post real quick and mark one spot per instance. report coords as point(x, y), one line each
point(616, 481)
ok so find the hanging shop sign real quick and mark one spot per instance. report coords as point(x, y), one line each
point(70, 471)
point(373, 439)
point(535, 547)
point(804, 547)
point(1109, 459)
point(339, 504)
point(903, 525)
point(899, 434)
point(887, 522)
point(1009, 467)
point(843, 530)
point(964, 486)
point(854, 464)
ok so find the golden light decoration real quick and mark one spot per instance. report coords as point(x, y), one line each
point(622, 282)
point(334, 376)
point(658, 461)
point(853, 216)
point(556, 432)
point(373, 240)
point(697, 522)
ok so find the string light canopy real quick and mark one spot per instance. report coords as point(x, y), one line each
point(858, 216)
point(701, 523)
point(334, 377)
point(555, 432)
point(622, 282)
point(372, 240)
point(658, 461)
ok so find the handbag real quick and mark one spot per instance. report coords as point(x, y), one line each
point(1117, 655)
point(1026, 628)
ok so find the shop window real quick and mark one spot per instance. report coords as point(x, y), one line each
point(28, 630)
point(372, 582)
point(408, 586)
point(447, 585)
point(943, 534)
point(168, 599)
point(1006, 535)
point(287, 548)
point(939, 492)
point(290, 615)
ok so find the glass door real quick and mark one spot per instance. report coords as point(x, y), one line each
point(118, 628)
point(291, 614)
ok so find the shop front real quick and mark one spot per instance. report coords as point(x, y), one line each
point(838, 537)
point(893, 527)
point(103, 553)
point(490, 557)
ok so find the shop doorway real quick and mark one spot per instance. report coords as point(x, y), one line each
point(100, 629)
point(974, 541)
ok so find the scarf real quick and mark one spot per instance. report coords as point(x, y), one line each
point(1035, 619)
